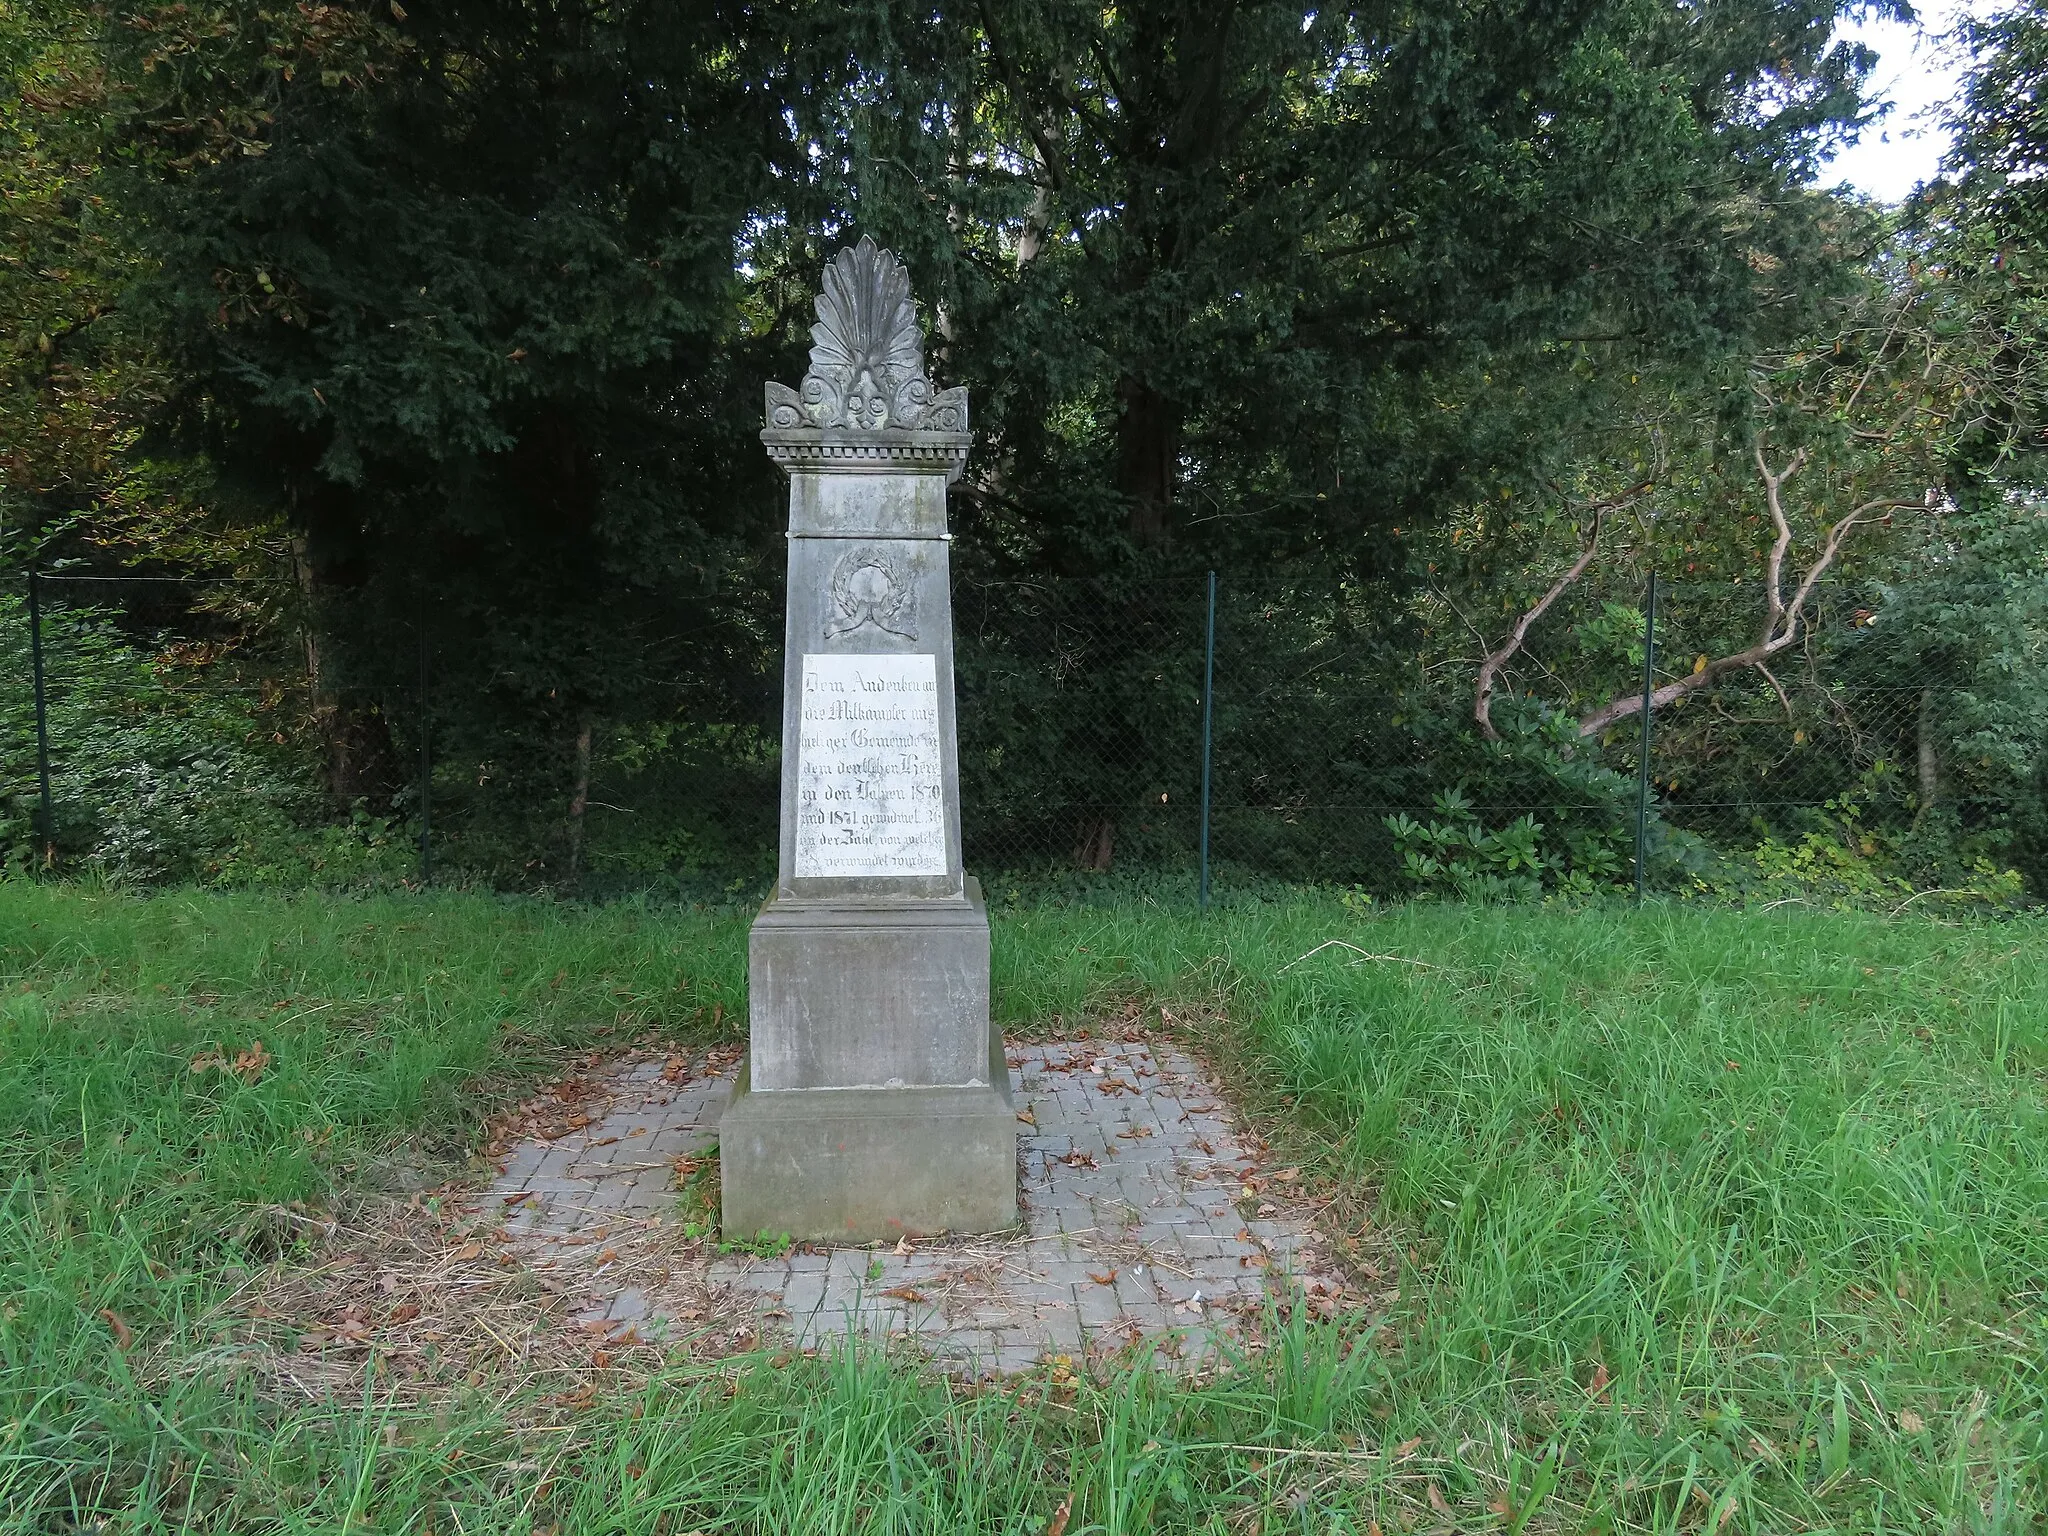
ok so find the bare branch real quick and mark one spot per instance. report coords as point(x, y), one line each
point(1774, 566)
point(1778, 688)
point(1781, 627)
point(1489, 669)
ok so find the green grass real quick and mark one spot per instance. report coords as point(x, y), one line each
point(1695, 1216)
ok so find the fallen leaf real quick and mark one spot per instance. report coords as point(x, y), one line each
point(1104, 1279)
point(1407, 1448)
point(903, 1244)
point(905, 1293)
point(1285, 1176)
point(610, 1255)
point(1599, 1382)
point(1135, 1133)
point(1027, 1117)
point(1436, 1499)
point(123, 1334)
point(1057, 1525)
point(249, 1064)
point(604, 1141)
point(1911, 1422)
point(470, 1250)
point(405, 1313)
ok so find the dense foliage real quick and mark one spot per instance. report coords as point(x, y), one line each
point(441, 329)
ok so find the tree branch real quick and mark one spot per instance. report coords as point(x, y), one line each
point(1482, 693)
point(1781, 625)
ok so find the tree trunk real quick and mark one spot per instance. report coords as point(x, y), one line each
point(361, 763)
point(1148, 452)
point(1036, 219)
point(1930, 764)
point(1094, 848)
point(579, 801)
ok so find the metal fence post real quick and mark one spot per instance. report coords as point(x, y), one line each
point(426, 772)
point(1208, 716)
point(1643, 768)
point(46, 813)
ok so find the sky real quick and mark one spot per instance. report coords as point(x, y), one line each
point(1916, 73)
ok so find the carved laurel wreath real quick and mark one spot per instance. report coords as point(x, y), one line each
point(867, 355)
point(870, 586)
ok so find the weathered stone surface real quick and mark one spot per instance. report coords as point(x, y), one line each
point(869, 577)
point(858, 1164)
point(875, 1101)
point(868, 995)
point(867, 356)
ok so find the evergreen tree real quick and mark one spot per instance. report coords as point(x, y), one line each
point(452, 287)
point(1270, 279)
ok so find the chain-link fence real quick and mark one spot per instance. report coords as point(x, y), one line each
point(1189, 733)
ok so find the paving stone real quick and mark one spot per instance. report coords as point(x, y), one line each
point(1096, 1305)
point(555, 1163)
point(993, 1304)
point(763, 1277)
point(803, 1294)
point(524, 1161)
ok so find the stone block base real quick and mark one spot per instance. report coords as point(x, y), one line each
point(869, 993)
point(852, 1165)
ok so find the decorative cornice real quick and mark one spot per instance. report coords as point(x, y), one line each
point(885, 452)
point(866, 405)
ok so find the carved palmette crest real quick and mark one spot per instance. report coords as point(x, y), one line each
point(870, 586)
point(867, 355)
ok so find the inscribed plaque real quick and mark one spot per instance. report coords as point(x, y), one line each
point(870, 796)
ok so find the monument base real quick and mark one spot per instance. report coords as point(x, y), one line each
point(853, 1165)
point(875, 1100)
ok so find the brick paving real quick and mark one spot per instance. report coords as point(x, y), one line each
point(1132, 1183)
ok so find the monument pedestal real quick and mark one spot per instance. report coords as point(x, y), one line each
point(875, 1101)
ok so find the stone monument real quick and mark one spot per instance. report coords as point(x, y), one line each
point(874, 1101)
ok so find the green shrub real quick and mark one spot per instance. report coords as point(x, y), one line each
point(156, 776)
